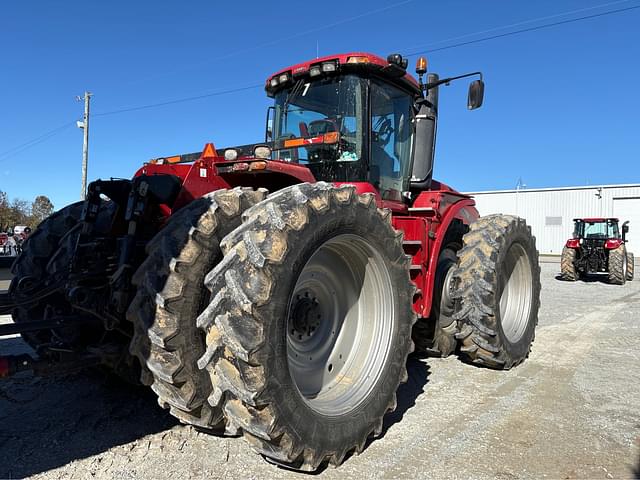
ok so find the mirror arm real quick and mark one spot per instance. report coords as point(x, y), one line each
point(446, 81)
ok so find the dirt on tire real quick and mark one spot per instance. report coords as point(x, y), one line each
point(630, 266)
point(618, 266)
point(171, 294)
point(247, 331)
point(567, 264)
point(30, 268)
point(498, 250)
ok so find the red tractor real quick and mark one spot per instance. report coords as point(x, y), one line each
point(275, 290)
point(598, 246)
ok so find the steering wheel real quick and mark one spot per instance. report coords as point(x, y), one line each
point(384, 130)
point(325, 125)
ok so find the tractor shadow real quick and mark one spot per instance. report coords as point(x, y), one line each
point(589, 278)
point(46, 423)
point(418, 374)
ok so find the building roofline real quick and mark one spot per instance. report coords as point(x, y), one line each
point(551, 189)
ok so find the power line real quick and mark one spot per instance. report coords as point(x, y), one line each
point(503, 27)
point(8, 154)
point(178, 100)
point(18, 149)
point(318, 29)
point(284, 39)
point(224, 92)
point(531, 29)
point(47, 134)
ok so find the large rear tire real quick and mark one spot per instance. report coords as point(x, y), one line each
point(497, 291)
point(171, 294)
point(30, 275)
point(618, 265)
point(309, 332)
point(630, 266)
point(568, 265)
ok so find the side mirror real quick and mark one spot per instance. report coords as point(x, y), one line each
point(625, 229)
point(268, 131)
point(476, 94)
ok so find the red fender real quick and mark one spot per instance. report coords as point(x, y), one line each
point(463, 210)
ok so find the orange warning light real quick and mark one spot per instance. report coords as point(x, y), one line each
point(421, 66)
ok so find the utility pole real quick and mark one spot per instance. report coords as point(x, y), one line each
point(84, 125)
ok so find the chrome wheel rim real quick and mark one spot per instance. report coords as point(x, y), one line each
point(517, 293)
point(340, 325)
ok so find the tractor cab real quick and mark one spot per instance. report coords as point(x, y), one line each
point(597, 231)
point(357, 118)
point(597, 245)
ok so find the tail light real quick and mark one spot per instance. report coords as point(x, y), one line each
point(573, 243)
point(612, 243)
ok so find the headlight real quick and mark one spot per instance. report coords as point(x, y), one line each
point(262, 151)
point(230, 154)
point(283, 78)
point(329, 67)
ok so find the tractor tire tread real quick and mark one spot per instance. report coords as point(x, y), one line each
point(171, 293)
point(617, 258)
point(475, 291)
point(567, 264)
point(236, 338)
point(38, 249)
point(630, 266)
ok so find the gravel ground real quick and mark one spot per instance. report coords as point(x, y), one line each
point(572, 410)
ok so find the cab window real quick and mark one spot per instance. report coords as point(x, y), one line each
point(391, 140)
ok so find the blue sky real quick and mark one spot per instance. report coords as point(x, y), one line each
point(561, 103)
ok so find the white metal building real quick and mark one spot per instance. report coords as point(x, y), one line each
point(550, 211)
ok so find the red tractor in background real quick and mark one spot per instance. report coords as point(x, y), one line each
point(275, 290)
point(598, 246)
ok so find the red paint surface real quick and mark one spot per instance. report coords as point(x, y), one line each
point(596, 219)
point(342, 59)
point(423, 230)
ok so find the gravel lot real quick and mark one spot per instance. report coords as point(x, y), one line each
point(571, 411)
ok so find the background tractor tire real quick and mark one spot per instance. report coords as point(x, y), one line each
point(618, 265)
point(436, 335)
point(567, 264)
point(30, 270)
point(171, 294)
point(497, 291)
point(630, 266)
point(292, 364)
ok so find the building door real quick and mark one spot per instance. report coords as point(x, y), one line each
point(629, 209)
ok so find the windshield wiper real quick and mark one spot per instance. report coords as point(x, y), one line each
point(292, 94)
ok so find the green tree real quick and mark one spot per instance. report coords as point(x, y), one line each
point(41, 208)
